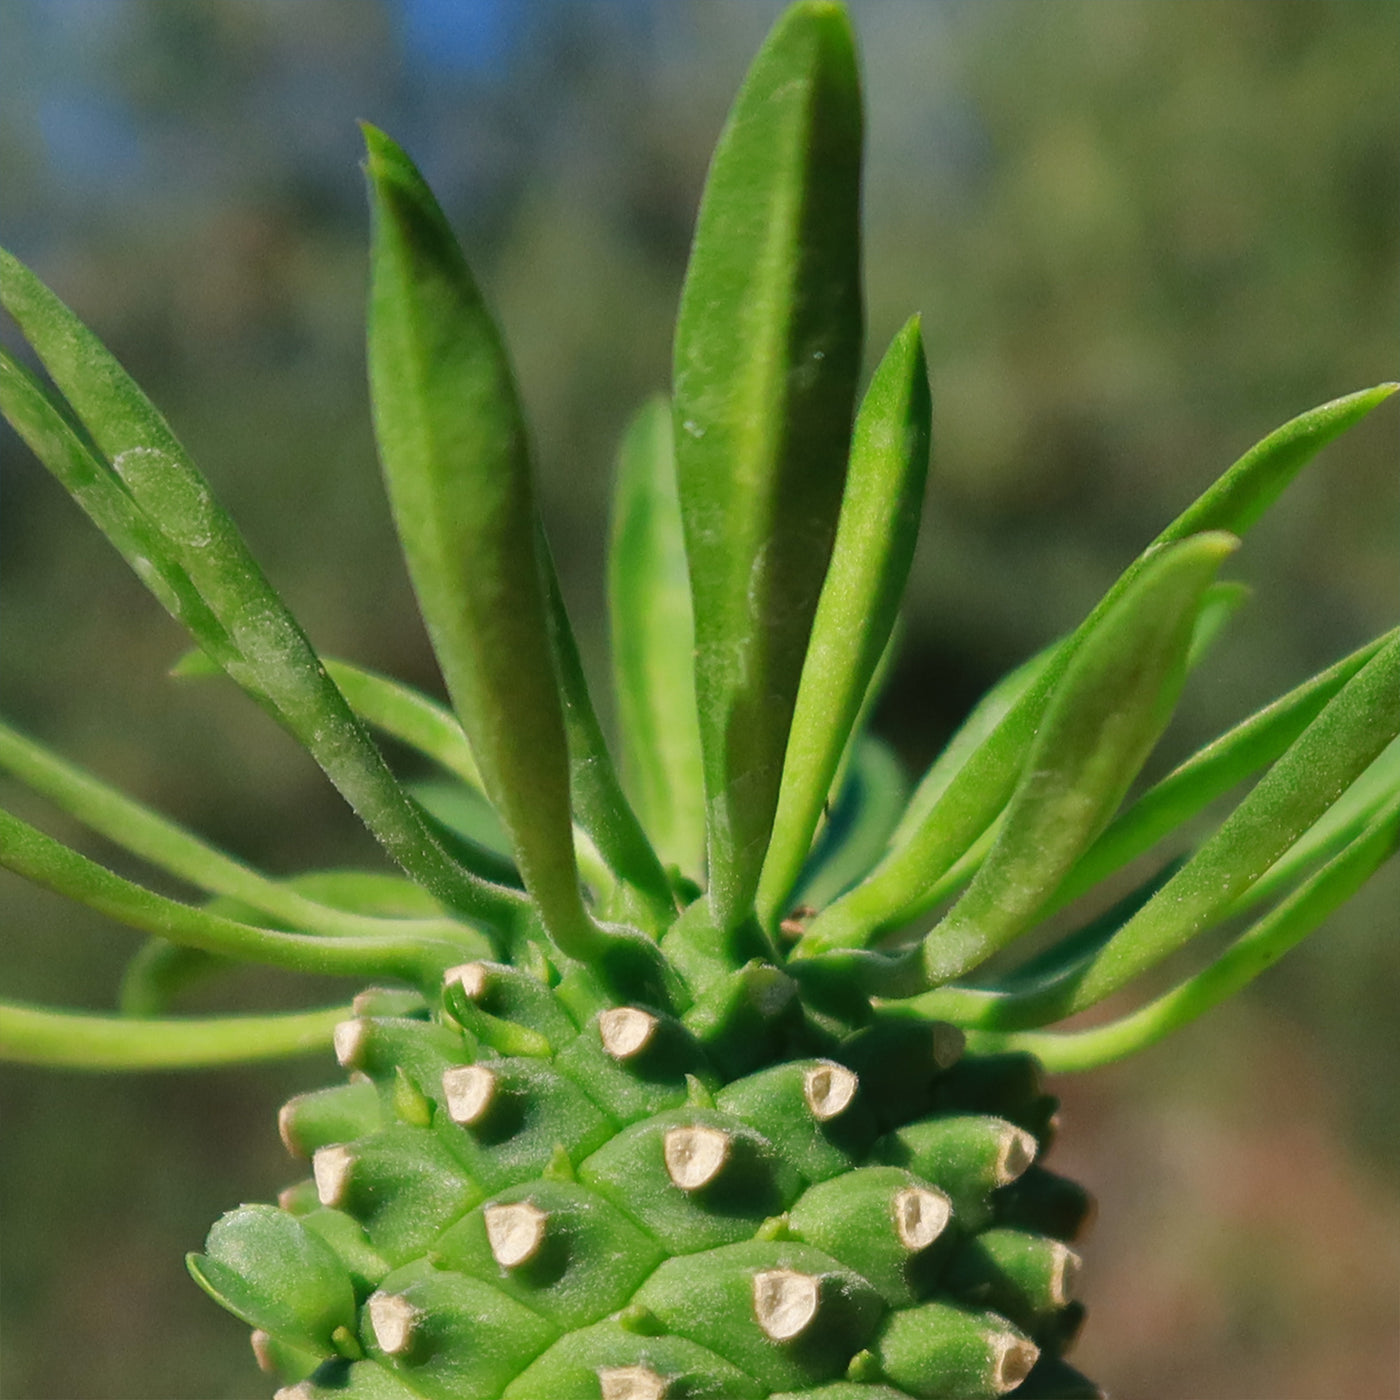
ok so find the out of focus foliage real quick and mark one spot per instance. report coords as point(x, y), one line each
point(1141, 236)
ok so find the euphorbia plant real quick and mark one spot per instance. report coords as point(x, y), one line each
point(717, 1072)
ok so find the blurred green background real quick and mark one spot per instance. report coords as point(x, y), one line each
point(1141, 234)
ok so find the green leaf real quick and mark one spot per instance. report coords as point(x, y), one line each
point(1209, 773)
point(168, 846)
point(768, 345)
point(600, 806)
point(875, 536)
point(1343, 822)
point(1239, 497)
point(653, 643)
point(35, 1035)
point(452, 444)
point(1251, 953)
point(1331, 753)
point(37, 857)
point(97, 489)
point(161, 514)
point(1103, 720)
point(963, 793)
point(871, 801)
point(159, 971)
point(409, 716)
point(266, 1267)
point(1218, 608)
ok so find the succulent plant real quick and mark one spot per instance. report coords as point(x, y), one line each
point(718, 1072)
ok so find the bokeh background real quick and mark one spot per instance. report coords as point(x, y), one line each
point(1141, 236)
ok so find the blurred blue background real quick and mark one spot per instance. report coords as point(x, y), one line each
point(1141, 235)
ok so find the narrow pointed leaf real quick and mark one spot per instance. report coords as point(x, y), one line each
point(1342, 823)
point(167, 845)
point(600, 806)
point(957, 801)
point(1239, 497)
point(456, 464)
point(982, 720)
point(875, 536)
point(1103, 720)
point(409, 716)
point(160, 513)
point(1253, 952)
point(866, 812)
point(768, 344)
point(1335, 749)
point(37, 857)
point(653, 643)
point(101, 494)
point(1218, 608)
point(36, 1035)
point(1209, 773)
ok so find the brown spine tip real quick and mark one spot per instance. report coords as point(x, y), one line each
point(471, 977)
point(365, 1002)
point(349, 1039)
point(514, 1232)
point(262, 1351)
point(470, 1091)
point(331, 1166)
point(829, 1090)
point(920, 1216)
point(785, 1302)
point(1064, 1275)
point(949, 1042)
point(1017, 1152)
point(695, 1156)
point(631, 1383)
point(286, 1130)
point(1012, 1359)
point(394, 1320)
point(626, 1031)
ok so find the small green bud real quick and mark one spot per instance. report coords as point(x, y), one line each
point(694, 1178)
point(786, 1313)
point(881, 1222)
point(938, 1352)
point(812, 1111)
point(267, 1268)
point(556, 1247)
point(1024, 1277)
point(615, 1360)
point(451, 1336)
point(966, 1156)
point(324, 1116)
